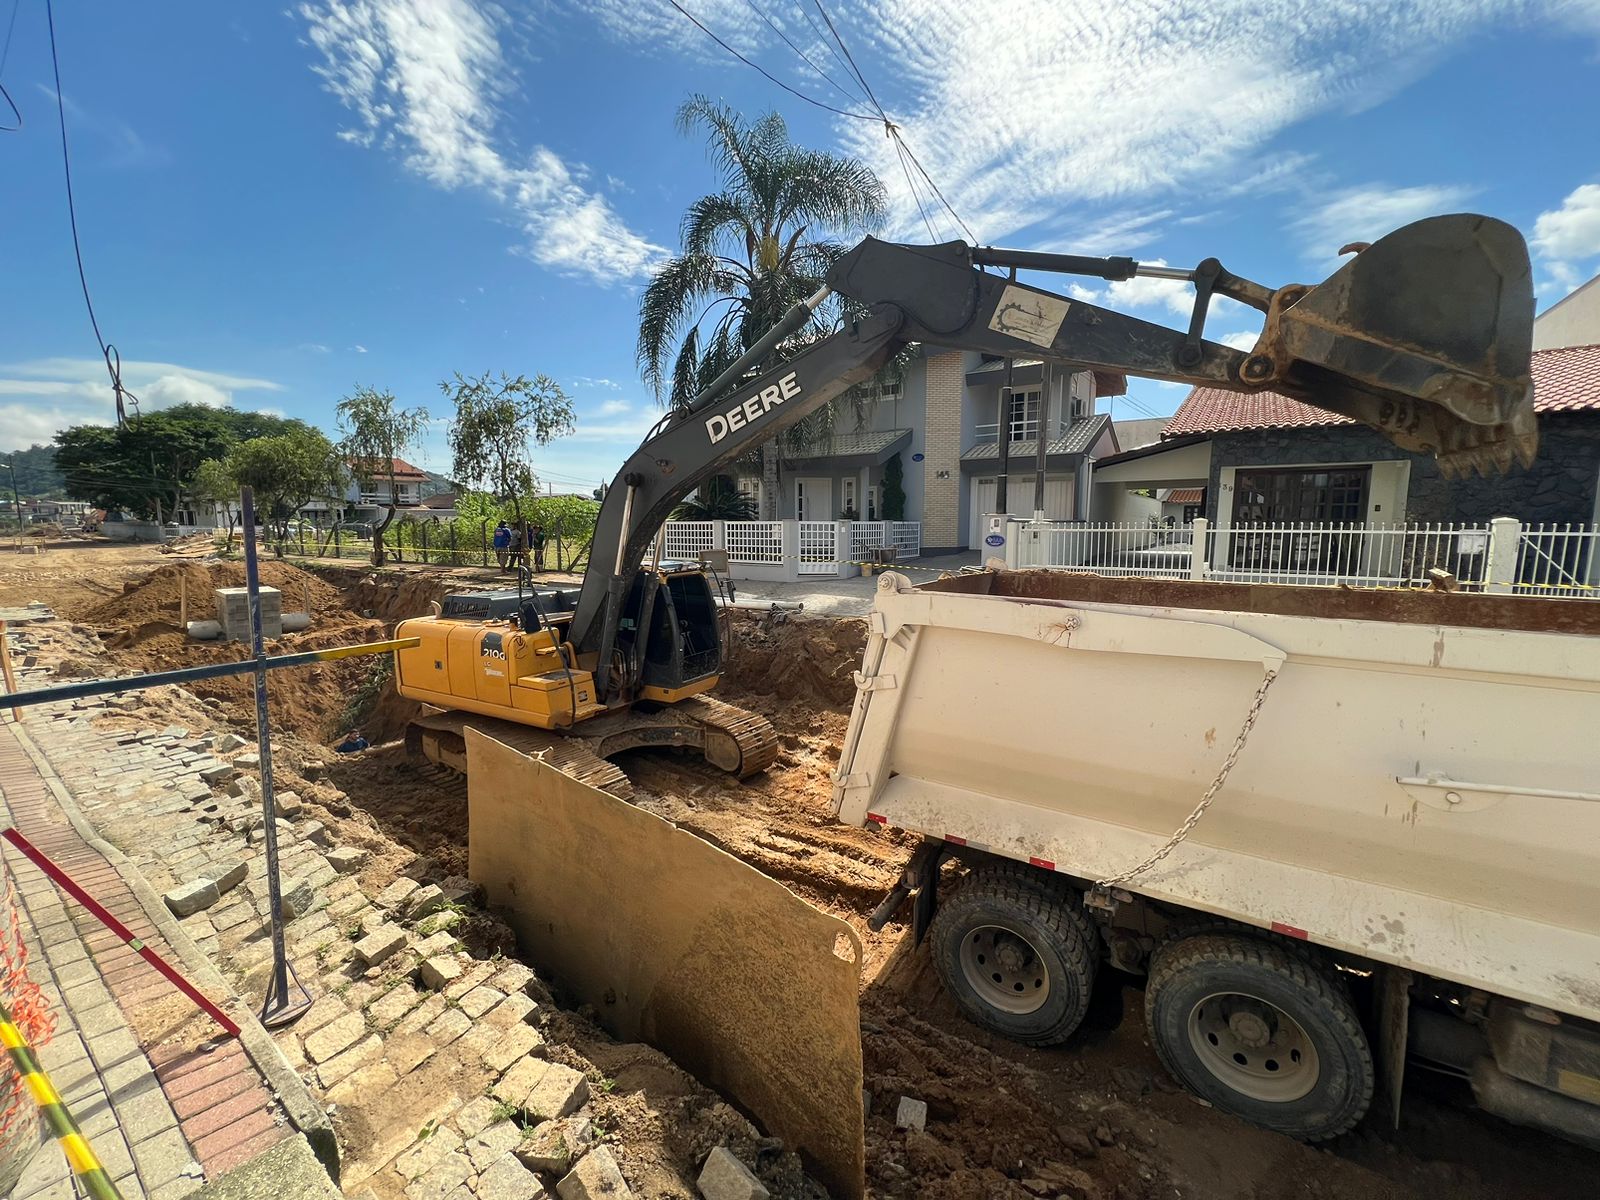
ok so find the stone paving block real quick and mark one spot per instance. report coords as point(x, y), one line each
point(452, 1023)
point(408, 1051)
point(229, 875)
point(441, 1179)
point(397, 893)
point(287, 804)
point(359, 1055)
point(195, 896)
point(474, 1116)
point(364, 1083)
point(512, 977)
point(508, 1179)
point(553, 1146)
point(515, 1085)
point(517, 1042)
point(424, 902)
point(480, 1000)
point(512, 1011)
point(298, 896)
point(427, 1153)
point(386, 1010)
point(315, 832)
point(596, 1177)
point(381, 943)
point(492, 1143)
point(724, 1177)
point(248, 761)
point(911, 1114)
point(335, 1037)
point(443, 942)
point(441, 971)
point(559, 1092)
point(346, 906)
point(423, 1015)
point(347, 859)
point(472, 975)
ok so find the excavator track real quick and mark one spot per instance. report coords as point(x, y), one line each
point(752, 734)
point(735, 739)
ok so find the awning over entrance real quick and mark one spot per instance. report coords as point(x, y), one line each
point(1176, 462)
point(852, 451)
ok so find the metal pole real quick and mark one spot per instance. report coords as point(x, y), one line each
point(1040, 444)
point(1003, 433)
point(276, 1008)
point(16, 500)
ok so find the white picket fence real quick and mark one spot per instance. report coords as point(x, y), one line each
point(1502, 556)
point(787, 550)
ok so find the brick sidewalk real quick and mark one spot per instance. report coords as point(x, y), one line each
point(160, 1114)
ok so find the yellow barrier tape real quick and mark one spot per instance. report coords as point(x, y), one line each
point(43, 1091)
point(79, 1156)
point(10, 1036)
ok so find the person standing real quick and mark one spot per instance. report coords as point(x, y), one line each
point(502, 543)
point(514, 549)
point(538, 547)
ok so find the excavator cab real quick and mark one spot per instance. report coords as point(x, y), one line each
point(677, 648)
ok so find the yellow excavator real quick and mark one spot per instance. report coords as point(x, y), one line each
point(1425, 335)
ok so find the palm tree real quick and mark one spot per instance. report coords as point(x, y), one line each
point(718, 499)
point(752, 250)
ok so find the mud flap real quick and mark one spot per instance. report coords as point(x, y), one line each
point(680, 945)
point(1394, 1023)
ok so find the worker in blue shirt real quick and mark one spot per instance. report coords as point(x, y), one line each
point(502, 543)
point(353, 741)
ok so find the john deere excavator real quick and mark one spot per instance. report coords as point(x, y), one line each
point(1424, 335)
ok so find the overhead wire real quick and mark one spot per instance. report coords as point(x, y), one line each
point(5, 53)
point(767, 74)
point(806, 58)
point(113, 358)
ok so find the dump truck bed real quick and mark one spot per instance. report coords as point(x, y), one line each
point(1421, 786)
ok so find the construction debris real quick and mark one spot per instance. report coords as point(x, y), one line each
point(724, 1177)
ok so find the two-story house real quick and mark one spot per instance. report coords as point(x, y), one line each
point(942, 421)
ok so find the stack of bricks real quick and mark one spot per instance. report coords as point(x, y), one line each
point(233, 612)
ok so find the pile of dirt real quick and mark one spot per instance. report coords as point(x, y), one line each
point(155, 598)
point(796, 658)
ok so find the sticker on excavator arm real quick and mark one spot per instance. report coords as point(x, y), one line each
point(1029, 315)
point(679, 944)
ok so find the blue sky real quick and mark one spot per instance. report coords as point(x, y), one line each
point(277, 204)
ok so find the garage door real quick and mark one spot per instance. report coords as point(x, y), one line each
point(1057, 500)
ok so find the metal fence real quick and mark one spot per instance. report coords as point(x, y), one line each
point(685, 539)
point(906, 537)
point(1349, 556)
point(818, 548)
point(1559, 560)
point(754, 541)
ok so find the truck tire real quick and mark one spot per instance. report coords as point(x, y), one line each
point(1268, 1035)
point(1016, 951)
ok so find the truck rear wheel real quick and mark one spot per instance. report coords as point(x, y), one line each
point(1265, 1034)
point(1017, 953)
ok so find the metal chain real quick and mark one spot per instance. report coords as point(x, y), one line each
point(1193, 818)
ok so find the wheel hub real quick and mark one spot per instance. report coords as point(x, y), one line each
point(1253, 1047)
point(1250, 1029)
point(1005, 969)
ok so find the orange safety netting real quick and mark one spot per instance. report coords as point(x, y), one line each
point(32, 1016)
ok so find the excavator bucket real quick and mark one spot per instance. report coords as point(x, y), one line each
point(1427, 335)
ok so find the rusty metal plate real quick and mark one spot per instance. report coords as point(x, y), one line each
point(679, 944)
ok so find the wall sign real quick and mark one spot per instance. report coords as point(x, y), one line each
point(918, 457)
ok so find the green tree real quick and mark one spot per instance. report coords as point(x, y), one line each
point(718, 499)
point(894, 492)
point(374, 432)
point(214, 483)
point(288, 472)
point(497, 423)
point(146, 467)
point(36, 474)
point(752, 250)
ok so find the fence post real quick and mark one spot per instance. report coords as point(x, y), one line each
point(1013, 548)
point(719, 535)
point(843, 567)
point(789, 549)
point(1500, 566)
point(1197, 552)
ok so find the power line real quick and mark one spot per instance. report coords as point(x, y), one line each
point(767, 74)
point(107, 351)
point(804, 57)
point(850, 58)
point(5, 53)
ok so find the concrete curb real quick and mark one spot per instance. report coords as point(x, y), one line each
point(305, 1113)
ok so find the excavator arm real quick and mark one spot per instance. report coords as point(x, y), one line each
point(1426, 336)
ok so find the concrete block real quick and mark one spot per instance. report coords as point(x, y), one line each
point(287, 804)
point(397, 893)
point(480, 1000)
point(596, 1177)
point(424, 902)
point(190, 898)
point(441, 1179)
point(377, 946)
point(228, 876)
point(724, 1177)
point(492, 1143)
point(250, 760)
point(389, 1008)
point(298, 896)
point(230, 742)
point(911, 1114)
point(508, 1179)
point(449, 1025)
point(440, 971)
point(347, 859)
point(517, 1042)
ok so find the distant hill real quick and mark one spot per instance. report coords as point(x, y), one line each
point(37, 477)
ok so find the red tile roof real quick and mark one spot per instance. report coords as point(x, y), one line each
point(1185, 496)
point(402, 470)
point(1564, 380)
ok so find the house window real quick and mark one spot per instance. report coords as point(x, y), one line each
point(1024, 417)
point(1323, 495)
point(848, 496)
point(872, 503)
point(800, 513)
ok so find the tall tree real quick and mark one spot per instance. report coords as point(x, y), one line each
point(214, 484)
point(498, 422)
point(288, 471)
point(752, 250)
point(374, 431)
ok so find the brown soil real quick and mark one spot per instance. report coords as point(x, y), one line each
point(1096, 1117)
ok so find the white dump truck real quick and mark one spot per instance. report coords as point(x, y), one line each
point(1334, 829)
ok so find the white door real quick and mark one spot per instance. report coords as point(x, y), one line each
point(1019, 499)
point(813, 499)
point(983, 501)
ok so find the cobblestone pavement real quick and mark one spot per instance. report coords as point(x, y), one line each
point(431, 1061)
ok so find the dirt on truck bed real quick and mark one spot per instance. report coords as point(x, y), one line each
point(1096, 1117)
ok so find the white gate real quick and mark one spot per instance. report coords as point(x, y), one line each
point(817, 548)
point(1019, 499)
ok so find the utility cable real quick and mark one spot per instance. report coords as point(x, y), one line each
point(767, 74)
point(109, 352)
point(5, 53)
point(804, 57)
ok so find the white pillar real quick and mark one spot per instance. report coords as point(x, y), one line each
point(789, 549)
point(1500, 567)
point(843, 565)
point(719, 535)
point(1197, 554)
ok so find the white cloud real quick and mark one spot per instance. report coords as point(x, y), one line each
point(622, 422)
point(424, 78)
point(314, 348)
point(359, 348)
point(612, 408)
point(57, 392)
point(1245, 341)
point(610, 385)
point(1565, 238)
point(1366, 213)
